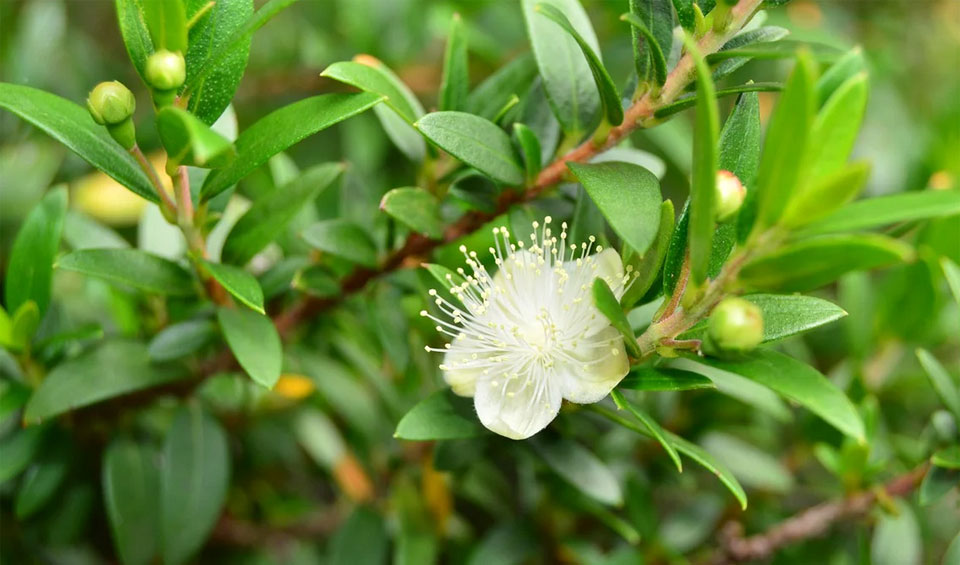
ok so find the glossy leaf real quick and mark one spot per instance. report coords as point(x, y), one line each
point(835, 128)
point(608, 305)
point(71, 125)
point(415, 208)
point(647, 266)
point(648, 422)
point(652, 39)
point(784, 49)
point(29, 273)
point(132, 267)
point(194, 477)
point(131, 483)
point(581, 468)
point(241, 284)
point(136, 36)
point(850, 64)
point(884, 210)
point(738, 387)
point(567, 78)
point(442, 415)
point(800, 383)
point(764, 34)
point(942, 382)
point(530, 149)
point(181, 339)
point(662, 379)
point(740, 142)
point(213, 32)
point(344, 239)
point(812, 263)
point(628, 196)
point(785, 315)
point(609, 95)
point(112, 369)
point(189, 141)
point(456, 76)
point(475, 141)
point(688, 101)
point(826, 195)
point(254, 342)
point(282, 128)
point(167, 23)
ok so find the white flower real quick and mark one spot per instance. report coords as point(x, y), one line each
point(529, 336)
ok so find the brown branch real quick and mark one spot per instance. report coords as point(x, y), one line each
point(812, 522)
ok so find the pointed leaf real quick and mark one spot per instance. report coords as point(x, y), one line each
point(456, 76)
point(254, 342)
point(241, 284)
point(415, 208)
point(182, 339)
point(647, 266)
point(189, 141)
point(884, 210)
point(608, 305)
point(136, 36)
point(660, 379)
point(836, 127)
point(946, 388)
point(132, 267)
point(653, 39)
point(826, 195)
point(344, 239)
point(442, 415)
point(131, 483)
point(475, 141)
point(581, 468)
point(530, 149)
point(167, 23)
point(30, 267)
point(648, 422)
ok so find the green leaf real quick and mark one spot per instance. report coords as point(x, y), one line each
point(254, 342)
point(280, 129)
point(456, 75)
point(180, 340)
point(225, 52)
point(647, 266)
point(189, 141)
point(194, 477)
point(71, 125)
point(936, 483)
point(800, 383)
point(241, 284)
point(689, 100)
point(951, 271)
point(611, 106)
point(493, 93)
point(13, 396)
point(362, 539)
point(948, 458)
point(608, 305)
point(826, 195)
point(167, 23)
point(884, 210)
point(136, 36)
point(786, 315)
point(739, 154)
point(442, 415)
point(25, 322)
point(764, 34)
point(628, 196)
point(836, 127)
point(652, 39)
point(400, 108)
point(566, 75)
point(40, 483)
point(131, 482)
point(941, 381)
point(132, 267)
point(650, 424)
point(850, 64)
point(786, 143)
point(530, 149)
point(581, 468)
point(19, 448)
point(740, 388)
point(685, 13)
point(316, 280)
point(475, 141)
point(704, 458)
point(30, 267)
point(446, 277)
point(415, 208)
point(83, 232)
point(785, 49)
point(214, 31)
point(751, 465)
point(812, 263)
point(269, 215)
point(344, 239)
point(703, 192)
point(319, 437)
point(896, 537)
point(660, 379)
point(113, 369)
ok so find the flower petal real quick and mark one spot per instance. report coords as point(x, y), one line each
point(509, 408)
point(610, 269)
point(460, 369)
point(598, 369)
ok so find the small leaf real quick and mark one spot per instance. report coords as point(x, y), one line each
point(647, 266)
point(131, 483)
point(608, 305)
point(936, 483)
point(648, 46)
point(132, 267)
point(344, 239)
point(884, 210)
point(241, 284)
point(475, 141)
point(71, 125)
point(25, 322)
point(704, 458)
point(688, 101)
point(167, 23)
point(661, 379)
point(280, 129)
point(113, 369)
point(83, 232)
point(415, 208)
point(442, 415)
point(784, 49)
point(136, 36)
point(582, 469)
point(703, 193)
point(530, 149)
point(494, 92)
point(40, 483)
point(29, 274)
point(648, 422)
point(826, 195)
point(740, 388)
point(812, 263)
point(785, 315)
point(19, 448)
point(609, 96)
point(836, 127)
point(189, 141)
point(456, 75)
point(180, 340)
point(764, 34)
point(942, 383)
point(269, 215)
point(800, 383)
point(948, 458)
point(850, 64)
point(254, 342)
point(628, 196)
point(567, 79)
point(194, 477)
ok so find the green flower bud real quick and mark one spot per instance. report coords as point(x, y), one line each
point(730, 195)
point(166, 70)
point(111, 103)
point(735, 326)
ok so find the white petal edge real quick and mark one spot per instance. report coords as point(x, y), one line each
point(519, 416)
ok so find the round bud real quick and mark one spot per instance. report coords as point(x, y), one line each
point(111, 103)
point(166, 70)
point(730, 195)
point(735, 325)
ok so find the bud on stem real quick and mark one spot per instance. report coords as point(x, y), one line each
point(730, 195)
point(165, 73)
point(735, 326)
point(111, 104)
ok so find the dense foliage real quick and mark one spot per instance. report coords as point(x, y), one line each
point(483, 282)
